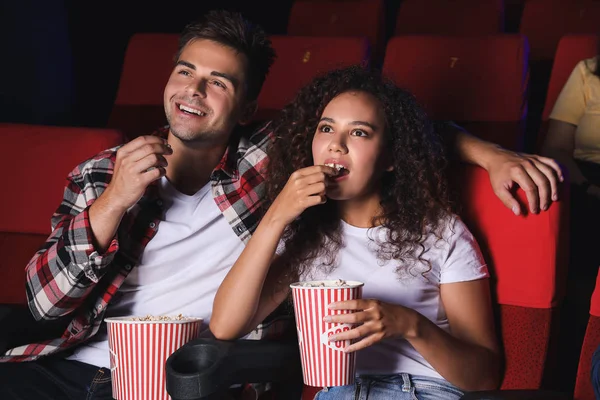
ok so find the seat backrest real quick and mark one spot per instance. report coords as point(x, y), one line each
point(149, 61)
point(37, 165)
point(352, 18)
point(299, 60)
point(591, 341)
point(571, 49)
point(458, 17)
point(455, 78)
point(544, 22)
point(527, 258)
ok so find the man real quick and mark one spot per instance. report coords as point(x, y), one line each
point(154, 226)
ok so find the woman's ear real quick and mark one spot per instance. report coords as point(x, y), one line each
point(248, 112)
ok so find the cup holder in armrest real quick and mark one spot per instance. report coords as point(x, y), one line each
point(206, 368)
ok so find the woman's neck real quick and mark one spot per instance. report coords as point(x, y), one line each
point(363, 212)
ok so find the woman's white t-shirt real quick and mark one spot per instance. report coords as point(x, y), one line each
point(455, 258)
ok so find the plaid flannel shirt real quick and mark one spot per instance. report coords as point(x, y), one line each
point(69, 278)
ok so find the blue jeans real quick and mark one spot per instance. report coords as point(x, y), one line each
point(396, 387)
point(51, 378)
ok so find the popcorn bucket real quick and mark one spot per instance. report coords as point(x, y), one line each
point(324, 363)
point(139, 348)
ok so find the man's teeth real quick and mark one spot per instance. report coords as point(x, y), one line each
point(191, 110)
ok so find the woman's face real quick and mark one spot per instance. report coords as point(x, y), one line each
point(351, 135)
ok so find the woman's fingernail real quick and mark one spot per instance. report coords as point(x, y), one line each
point(333, 338)
point(555, 197)
point(515, 210)
point(327, 318)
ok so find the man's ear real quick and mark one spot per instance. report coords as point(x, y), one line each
point(248, 112)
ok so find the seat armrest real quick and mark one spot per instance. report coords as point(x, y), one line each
point(206, 368)
point(521, 394)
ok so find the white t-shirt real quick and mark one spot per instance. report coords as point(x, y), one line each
point(181, 267)
point(457, 258)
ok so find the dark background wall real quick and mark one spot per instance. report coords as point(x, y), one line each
point(61, 59)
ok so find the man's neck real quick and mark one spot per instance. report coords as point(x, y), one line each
point(190, 167)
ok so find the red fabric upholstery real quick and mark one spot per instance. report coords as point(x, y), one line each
point(299, 59)
point(544, 22)
point(350, 18)
point(526, 256)
point(443, 17)
point(16, 249)
point(37, 164)
point(525, 335)
point(138, 108)
point(591, 341)
point(455, 78)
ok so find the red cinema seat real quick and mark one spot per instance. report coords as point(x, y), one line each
point(37, 166)
point(352, 18)
point(456, 78)
point(149, 60)
point(442, 17)
point(299, 60)
point(545, 22)
point(591, 341)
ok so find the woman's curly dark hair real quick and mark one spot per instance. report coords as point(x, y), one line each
point(414, 196)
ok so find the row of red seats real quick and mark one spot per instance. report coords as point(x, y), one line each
point(526, 255)
point(544, 22)
point(455, 78)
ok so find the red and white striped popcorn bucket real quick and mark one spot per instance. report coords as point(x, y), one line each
point(323, 363)
point(139, 348)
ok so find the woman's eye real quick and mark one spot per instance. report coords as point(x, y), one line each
point(326, 129)
point(184, 72)
point(359, 132)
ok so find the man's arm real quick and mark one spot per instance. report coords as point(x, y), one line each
point(63, 272)
point(84, 237)
point(538, 176)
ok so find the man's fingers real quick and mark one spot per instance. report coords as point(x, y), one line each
point(139, 142)
point(154, 173)
point(554, 165)
point(150, 161)
point(552, 178)
point(522, 178)
point(542, 188)
point(547, 167)
point(508, 199)
point(147, 149)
